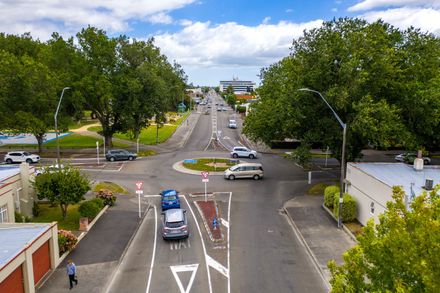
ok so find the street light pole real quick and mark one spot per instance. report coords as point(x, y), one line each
point(344, 133)
point(56, 127)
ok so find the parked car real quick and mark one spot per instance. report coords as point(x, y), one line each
point(232, 123)
point(244, 170)
point(21, 156)
point(174, 224)
point(170, 199)
point(115, 155)
point(410, 157)
point(243, 152)
point(50, 169)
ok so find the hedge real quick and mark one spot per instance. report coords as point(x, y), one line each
point(349, 209)
point(329, 195)
point(89, 209)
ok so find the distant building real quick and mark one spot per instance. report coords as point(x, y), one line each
point(371, 184)
point(239, 86)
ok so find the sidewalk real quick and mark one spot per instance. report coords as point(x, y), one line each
point(98, 254)
point(318, 230)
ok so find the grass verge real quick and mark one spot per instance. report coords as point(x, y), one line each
point(317, 189)
point(49, 214)
point(113, 187)
point(202, 164)
point(147, 135)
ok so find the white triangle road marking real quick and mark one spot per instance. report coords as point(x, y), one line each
point(184, 268)
point(217, 266)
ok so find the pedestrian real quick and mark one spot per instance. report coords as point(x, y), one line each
point(71, 272)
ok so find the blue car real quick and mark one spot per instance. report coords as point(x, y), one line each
point(170, 199)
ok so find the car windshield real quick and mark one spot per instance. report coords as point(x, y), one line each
point(26, 154)
point(174, 224)
point(234, 168)
point(170, 197)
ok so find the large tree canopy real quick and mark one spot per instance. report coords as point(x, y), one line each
point(381, 81)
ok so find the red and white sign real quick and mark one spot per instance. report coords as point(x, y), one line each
point(139, 185)
point(205, 176)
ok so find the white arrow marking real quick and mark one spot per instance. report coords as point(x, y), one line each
point(217, 266)
point(225, 223)
point(226, 137)
point(184, 268)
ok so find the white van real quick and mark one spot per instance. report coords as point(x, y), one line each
point(244, 170)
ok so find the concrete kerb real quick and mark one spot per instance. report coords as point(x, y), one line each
point(64, 256)
point(324, 274)
point(112, 276)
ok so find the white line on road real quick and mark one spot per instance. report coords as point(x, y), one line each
point(217, 266)
point(229, 260)
point(154, 251)
point(203, 244)
point(184, 268)
point(224, 223)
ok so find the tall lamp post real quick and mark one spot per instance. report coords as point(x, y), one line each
point(344, 132)
point(56, 127)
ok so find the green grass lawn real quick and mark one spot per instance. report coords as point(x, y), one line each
point(113, 187)
point(147, 136)
point(317, 189)
point(78, 141)
point(201, 165)
point(50, 214)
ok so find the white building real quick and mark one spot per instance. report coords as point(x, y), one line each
point(371, 184)
point(239, 86)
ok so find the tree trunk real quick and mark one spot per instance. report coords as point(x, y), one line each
point(108, 140)
point(40, 140)
point(64, 210)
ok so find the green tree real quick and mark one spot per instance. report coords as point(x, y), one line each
point(62, 187)
point(400, 254)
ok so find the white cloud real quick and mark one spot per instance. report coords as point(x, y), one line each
point(42, 17)
point(372, 4)
point(427, 19)
point(266, 20)
point(202, 44)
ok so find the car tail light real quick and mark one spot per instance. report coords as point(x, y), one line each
point(184, 228)
point(166, 229)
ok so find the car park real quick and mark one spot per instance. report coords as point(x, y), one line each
point(232, 123)
point(174, 224)
point(244, 170)
point(20, 157)
point(120, 154)
point(410, 157)
point(243, 152)
point(170, 199)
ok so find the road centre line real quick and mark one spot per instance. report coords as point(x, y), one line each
point(203, 244)
point(154, 251)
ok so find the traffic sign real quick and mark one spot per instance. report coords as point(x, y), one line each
point(204, 174)
point(139, 185)
point(139, 191)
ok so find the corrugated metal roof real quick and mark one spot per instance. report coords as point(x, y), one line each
point(14, 239)
point(400, 174)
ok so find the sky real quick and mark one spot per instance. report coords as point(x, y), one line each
point(212, 40)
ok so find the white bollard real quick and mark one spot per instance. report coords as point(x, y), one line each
point(310, 177)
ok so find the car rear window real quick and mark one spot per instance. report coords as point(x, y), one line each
point(170, 197)
point(174, 224)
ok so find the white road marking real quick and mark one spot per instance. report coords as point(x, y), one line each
point(224, 222)
point(151, 195)
point(203, 244)
point(226, 137)
point(229, 235)
point(154, 251)
point(217, 266)
point(177, 245)
point(184, 268)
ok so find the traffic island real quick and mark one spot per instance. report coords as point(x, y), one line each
point(209, 212)
point(215, 166)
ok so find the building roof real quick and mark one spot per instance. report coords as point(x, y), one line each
point(8, 171)
point(401, 174)
point(16, 237)
point(245, 97)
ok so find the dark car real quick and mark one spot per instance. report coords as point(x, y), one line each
point(116, 155)
point(170, 199)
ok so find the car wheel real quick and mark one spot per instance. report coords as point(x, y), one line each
point(251, 156)
point(426, 162)
point(256, 177)
point(130, 158)
point(231, 177)
point(8, 161)
point(235, 156)
point(29, 161)
point(112, 159)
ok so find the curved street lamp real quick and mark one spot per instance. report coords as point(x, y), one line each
point(344, 132)
point(56, 127)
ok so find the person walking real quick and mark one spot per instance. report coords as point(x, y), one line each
point(71, 272)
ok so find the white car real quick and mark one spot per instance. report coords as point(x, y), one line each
point(232, 124)
point(20, 156)
point(50, 169)
point(243, 152)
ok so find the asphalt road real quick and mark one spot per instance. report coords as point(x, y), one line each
point(264, 253)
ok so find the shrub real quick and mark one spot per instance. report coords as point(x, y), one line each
point(107, 196)
point(98, 201)
point(329, 195)
point(89, 209)
point(36, 209)
point(348, 207)
point(20, 218)
point(66, 241)
point(241, 109)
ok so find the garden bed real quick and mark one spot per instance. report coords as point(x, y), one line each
point(208, 211)
point(209, 164)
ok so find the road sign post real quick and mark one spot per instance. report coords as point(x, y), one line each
point(139, 191)
point(205, 179)
point(97, 151)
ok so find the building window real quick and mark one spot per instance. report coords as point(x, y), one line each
point(4, 214)
point(372, 208)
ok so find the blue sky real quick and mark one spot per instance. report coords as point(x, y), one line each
point(212, 40)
